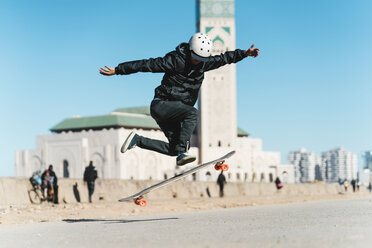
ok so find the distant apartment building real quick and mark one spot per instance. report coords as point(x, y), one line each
point(368, 160)
point(365, 176)
point(306, 165)
point(340, 163)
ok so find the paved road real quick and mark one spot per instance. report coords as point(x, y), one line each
point(333, 223)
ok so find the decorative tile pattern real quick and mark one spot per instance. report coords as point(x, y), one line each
point(215, 8)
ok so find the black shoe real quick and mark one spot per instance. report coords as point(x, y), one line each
point(130, 142)
point(185, 158)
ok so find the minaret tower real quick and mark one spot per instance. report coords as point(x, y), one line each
point(217, 102)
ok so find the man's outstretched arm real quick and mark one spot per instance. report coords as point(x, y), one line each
point(161, 64)
point(230, 57)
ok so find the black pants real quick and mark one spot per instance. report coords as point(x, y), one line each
point(55, 195)
point(221, 189)
point(90, 189)
point(177, 120)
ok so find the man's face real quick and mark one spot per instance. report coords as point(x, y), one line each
point(194, 61)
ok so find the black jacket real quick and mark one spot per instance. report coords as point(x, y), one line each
point(90, 173)
point(221, 180)
point(182, 80)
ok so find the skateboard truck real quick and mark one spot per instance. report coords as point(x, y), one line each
point(221, 166)
point(140, 201)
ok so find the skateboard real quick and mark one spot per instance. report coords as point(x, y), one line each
point(218, 165)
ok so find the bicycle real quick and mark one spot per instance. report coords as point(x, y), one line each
point(36, 194)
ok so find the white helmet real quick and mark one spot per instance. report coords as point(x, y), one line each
point(200, 46)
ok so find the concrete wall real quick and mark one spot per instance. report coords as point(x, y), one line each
point(13, 191)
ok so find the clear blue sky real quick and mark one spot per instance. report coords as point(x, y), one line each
point(310, 87)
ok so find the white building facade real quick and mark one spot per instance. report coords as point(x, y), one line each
point(70, 152)
point(340, 163)
point(78, 140)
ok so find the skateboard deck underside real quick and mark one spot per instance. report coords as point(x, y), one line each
point(177, 177)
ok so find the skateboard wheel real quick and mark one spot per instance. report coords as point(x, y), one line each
point(224, 167)
point(142, 203)
point(217, 166)
point(137, 201)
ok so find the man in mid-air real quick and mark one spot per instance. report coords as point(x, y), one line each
point(174, 100)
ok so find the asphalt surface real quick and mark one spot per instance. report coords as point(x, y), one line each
point(331, 223)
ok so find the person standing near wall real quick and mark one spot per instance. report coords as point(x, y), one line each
point(221, 180)
point(346, 185)
point(90, 175)
point(51, 175)
point(353, 184)
point(341, 184)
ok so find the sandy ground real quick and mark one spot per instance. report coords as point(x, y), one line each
point(47, 212)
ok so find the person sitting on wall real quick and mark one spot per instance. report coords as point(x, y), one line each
point(278, 183)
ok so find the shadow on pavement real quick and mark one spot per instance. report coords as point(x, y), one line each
point(114, 221)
